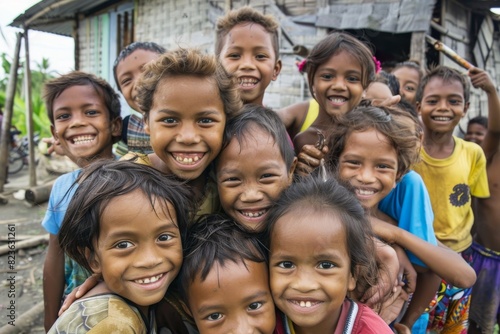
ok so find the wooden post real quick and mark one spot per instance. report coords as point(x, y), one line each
point(8, 111)
point(417, 48)
point(29, 111)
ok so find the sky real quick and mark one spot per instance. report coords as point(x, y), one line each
point(58, 49)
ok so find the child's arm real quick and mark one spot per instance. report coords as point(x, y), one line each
point(53, 281)
point(481, 79)
point(293, 116)
point(427, 285)
point(444, 262)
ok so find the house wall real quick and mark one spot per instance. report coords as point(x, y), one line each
point(183, 23)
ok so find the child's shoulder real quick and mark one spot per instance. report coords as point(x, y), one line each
point(104, 313)
point(362, 319)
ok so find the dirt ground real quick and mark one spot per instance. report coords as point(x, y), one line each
point(21, 269)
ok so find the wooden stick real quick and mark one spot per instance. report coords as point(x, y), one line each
point(438, 45)
point(25, 321)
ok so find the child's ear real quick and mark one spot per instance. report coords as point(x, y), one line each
point(466, 107)
point(146, 124)
point(93, 261)
point(292, 170)
point(418, 107)
point(54, 132)
point(351, 281)
point(116, 127)
point(277, 69)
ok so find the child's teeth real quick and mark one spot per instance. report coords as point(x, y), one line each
point(305, 304)
point(149, 279)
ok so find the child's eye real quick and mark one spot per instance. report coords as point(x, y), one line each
point(123, 244)
point(214, 316)
point(255, 306)
point(410, 88)
point(326, 265)
point(233, 56)
point(326, 76)
point(353, 79)
point(206, 121)
point(286, 264)
point(125, 82)
point(169, 120)
point(267, 175)
point(164, 237)
point(92, 112)
point(455, 102)
point(261, 56)
point(62, 116)
point(431, 101)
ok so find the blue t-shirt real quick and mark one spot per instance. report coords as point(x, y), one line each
point(410, 206)
point(62, 191)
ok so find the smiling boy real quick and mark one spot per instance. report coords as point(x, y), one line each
point(85, 114)
point(453, 171)
point(247, 44)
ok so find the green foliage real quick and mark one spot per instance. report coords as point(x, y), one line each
point(39, 76)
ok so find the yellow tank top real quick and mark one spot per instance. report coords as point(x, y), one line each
point(312, 114)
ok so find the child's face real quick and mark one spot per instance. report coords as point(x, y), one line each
point(249, 55)
point(82, 124)
point(186, 125)
point(129, 70)
point(369, 162)
point(443, 105)
point(337, 84)
point(139, 250)
point(475, 133)
point(234, 298)
point(250, 177)
point(310, 268)
point(409, 80)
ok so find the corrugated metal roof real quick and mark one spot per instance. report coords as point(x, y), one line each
point(58, 15)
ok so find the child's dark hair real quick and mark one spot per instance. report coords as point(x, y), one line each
point(214, 240)
point(389, 79)
point(187, 62)
point(127, 51)
point(312, 194)
point(397, 130)
point(264, 118)
point(100, 183)
point(332, 45)
point(411, 64)
point(481, 120)
point(447, 74)
point(55, 87)
point(248, 15)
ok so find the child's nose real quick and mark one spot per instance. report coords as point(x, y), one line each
point(148, 257)
point(338, 83)
point(78, 119)
point(304, 281)
point(251, 194)
point(366, 175)
point(188, 135)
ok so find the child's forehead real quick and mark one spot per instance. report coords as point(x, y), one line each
point(437, 85)
point(233, 269)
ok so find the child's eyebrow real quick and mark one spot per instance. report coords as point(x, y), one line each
point(86, 105)
point(203, 113)
point(257, 295)
point(124, 234)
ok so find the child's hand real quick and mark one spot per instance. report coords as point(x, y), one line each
point(79, 291)
point(309, 159)
point(390, 101)
point(391, 308)
point(53, 146)
point(481, 79)
point(401, 329)
point(407, 273)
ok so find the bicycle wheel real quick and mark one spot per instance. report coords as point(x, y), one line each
point(15, 162)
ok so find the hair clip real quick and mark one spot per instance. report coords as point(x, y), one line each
point(302, 65)
point(378, 65)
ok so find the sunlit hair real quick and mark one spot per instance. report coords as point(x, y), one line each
point(55, 87)
point(242, 125)
point(411, 64)
point(100, 183)
point(214, 240)
point(246, 15)
point(187, 62)
point(332, 45)
point(312, 194)
point(129, 49)
point(447, 75)
point(399, 127)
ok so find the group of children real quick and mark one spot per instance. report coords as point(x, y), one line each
point(186, 232)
